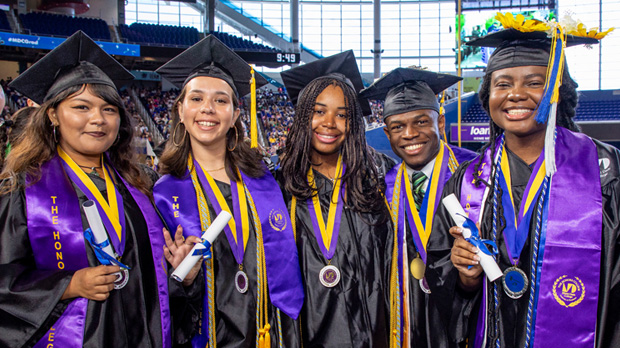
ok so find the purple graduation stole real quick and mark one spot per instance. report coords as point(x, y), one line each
point(176, 200)
point(57, 239)
point(568, 266)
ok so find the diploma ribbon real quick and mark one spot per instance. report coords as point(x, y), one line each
point(475, 239)
point(206, 252)
point(103, 257)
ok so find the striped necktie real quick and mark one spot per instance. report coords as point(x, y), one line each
point(417, 182)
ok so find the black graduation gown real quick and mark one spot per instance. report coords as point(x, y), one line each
point(459, 310)
point(31, 303)
point(235, 313)
point(425, 326)
point(354, 313)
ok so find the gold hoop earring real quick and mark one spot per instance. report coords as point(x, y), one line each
point(236, 139)
point(174, 135)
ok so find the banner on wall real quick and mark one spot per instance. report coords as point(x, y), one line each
point(49, 43)
point(470, 132)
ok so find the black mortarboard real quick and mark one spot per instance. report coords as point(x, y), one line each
point(341, 66)
point(409, 89)
point(516, 48)
point(210, 57)
point(77, 61)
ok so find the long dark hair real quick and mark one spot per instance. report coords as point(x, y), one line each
point(36, 145)
point(174, 158)
point(11, 129)
point(363, 187)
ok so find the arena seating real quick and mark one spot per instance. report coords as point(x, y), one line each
point(476, 114)
point(154, 34)
point(4, 22)
point(44, 23)
point(601, 110)
point(241, 44)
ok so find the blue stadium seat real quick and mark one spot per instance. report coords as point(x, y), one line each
point(42, 23)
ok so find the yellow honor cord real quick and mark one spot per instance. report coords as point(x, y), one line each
point(110, 207)
point(253, 119)
point(243, 205)
point(205, 222)
point(327, 231)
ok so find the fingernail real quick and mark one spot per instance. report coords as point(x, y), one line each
point(477, 258)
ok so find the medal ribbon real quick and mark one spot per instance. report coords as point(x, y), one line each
point(517, 225)
point(237, 237)
point(326, 233)
point(111, 211)
point(427, 209)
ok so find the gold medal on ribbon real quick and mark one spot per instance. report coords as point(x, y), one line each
point(417, 267)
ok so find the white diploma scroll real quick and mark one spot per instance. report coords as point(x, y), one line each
point(457, 213)
point(217, 226)
point(96, 225)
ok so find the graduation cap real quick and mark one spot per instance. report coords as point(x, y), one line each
point(409, 89)
point(530, 42)
point(210, 57)
point(341, 66)
point(516, 48)
point(76, 61)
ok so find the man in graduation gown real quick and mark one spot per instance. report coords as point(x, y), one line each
point(413, 126)
point(560, 286)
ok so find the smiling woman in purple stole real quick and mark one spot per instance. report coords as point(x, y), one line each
point(59, 286)
point(252, 282)
point(341, 220)
point(545, 194)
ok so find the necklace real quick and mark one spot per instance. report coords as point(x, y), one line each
point(215, 170)
point(93, 169)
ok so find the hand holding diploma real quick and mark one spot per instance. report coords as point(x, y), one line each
point(176, 250)
point(97, 236)
point(198, 250)
point(469, 259)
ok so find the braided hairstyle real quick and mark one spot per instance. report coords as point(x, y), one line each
point(363, 187)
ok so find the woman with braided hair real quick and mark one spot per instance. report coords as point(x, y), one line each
point(340, 218)
point(546, 199)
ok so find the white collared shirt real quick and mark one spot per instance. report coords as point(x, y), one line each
point(427, 170)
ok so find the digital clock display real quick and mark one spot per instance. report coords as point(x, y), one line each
point(287, 58)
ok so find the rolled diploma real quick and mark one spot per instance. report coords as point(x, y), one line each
point(487, 262)
point(96, 225)
point(217, 226)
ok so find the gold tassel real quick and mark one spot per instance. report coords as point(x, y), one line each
point(253, 120)
point(264, 340)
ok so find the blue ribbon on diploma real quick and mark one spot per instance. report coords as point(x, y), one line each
point(475, 239)
point(103, 257)
point(206, 252)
